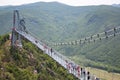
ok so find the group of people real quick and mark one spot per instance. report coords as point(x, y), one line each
point(80, 72)
point(73, 68)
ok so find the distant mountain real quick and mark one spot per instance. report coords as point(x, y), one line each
point(28, 63)
point(56, 22)
point(61, 17)
point(116, 5)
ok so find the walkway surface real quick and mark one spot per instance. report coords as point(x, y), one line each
point(72, 68)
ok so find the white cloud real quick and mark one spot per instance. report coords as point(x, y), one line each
point(70, 2)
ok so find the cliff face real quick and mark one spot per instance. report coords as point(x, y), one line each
point(28, 63)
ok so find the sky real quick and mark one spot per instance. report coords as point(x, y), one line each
point(68, 2)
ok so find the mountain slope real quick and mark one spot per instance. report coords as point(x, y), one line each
point(28, 63)
point(57, 22)
point(61, 19)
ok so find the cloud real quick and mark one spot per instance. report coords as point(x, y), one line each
point(69, 2)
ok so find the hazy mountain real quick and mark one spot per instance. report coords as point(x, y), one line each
point(56, 22)
point(116, 5)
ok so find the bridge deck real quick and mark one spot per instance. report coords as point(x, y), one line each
point(71, 66)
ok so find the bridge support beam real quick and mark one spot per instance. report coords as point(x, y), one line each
point(16, 38)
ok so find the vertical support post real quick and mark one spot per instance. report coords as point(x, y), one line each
point(16, 26)
point(13, 39)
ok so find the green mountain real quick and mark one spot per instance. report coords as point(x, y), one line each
point(28, 63)
point(56, 22)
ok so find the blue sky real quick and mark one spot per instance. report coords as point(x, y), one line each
point(69, 2)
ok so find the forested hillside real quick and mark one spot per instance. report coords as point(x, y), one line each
point(28, 63)
point(56, 22)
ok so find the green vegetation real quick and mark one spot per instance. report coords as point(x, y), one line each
point(101, 54)
point(57, 22)
point(28, 63)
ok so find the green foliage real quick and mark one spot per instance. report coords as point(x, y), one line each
point(67, 23)
point(4, 38)
point(20, 64)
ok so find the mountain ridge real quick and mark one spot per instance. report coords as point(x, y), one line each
point(59, 23)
